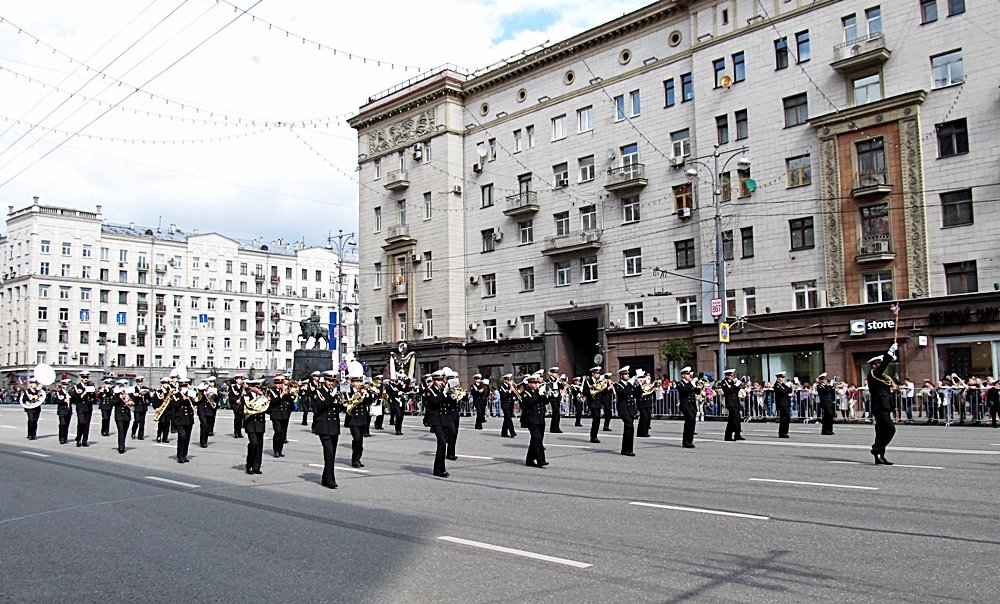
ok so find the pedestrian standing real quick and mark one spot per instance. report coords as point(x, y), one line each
point(533, 420)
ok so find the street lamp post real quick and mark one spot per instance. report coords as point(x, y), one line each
point(343, 240)
point(720, 266)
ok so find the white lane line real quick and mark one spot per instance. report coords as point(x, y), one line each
point(569, 446)
point(898, 465)
point(853, 463)
point(774, 443)
point(167, 445)
point(340, 467)
point(35, 454)
point(9, 427)
point(516, 552)
point(698, 510)
point(292, 440)
point(815, 484)
point(475, 457)
point(173, 482)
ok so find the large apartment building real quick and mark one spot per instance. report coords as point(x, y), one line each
point(81, 293)
point(572, 206)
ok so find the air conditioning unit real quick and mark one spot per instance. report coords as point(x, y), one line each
point(418, 152)
point(121, 265)
point(477, 168)
point(63, 323)
point(497, 235)
point(415, 259)
point(474, 280)
point(684, 213)
point(677, 161)
point(512, 322)
point(562, 182)
point(457, 189)
point(418, 327)
point(612, 324)
point(473, 326)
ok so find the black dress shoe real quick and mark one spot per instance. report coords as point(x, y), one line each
point(157, 439)
point(452, 457)
point(85, 445)
point(594, 440)
point(607, 429)
point(249, 471)
point(121, 450)
point(331, 486)
point(738, 438)
point(555, 431)
point(727, 439)
point(688, 445)
point(257, 472)
point(355, 464)
point(885, 462)
point(783, 436)
point(542, 464)
point(442, 474)
point(78, 444)
point(276, 454)
point(878, 460)
point(531, 464)
point(629, 454)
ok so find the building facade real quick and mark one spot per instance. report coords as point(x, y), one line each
point(572, 206)
point(80, 293)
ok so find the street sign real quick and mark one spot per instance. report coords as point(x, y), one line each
point(121, 318)
point(724, 333)
point(84, 315)
point(333, 334)
point(203, 318)
point(716, 308)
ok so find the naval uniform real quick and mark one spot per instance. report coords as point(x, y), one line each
point(595, 405)
point(326, 425)
point(140, 406)
point(236, 394)
point(84, 402)
point(181, 412)
point(33, 414)
point(731, 389)
point(395, 397)
point(254, 425)
point(533, 419)
point(576, 397)
point(645, 404)
point(507, 397)
point(437, 415)
point(357, 422)
point(553, 393)
point(207, 408)
point(783, 401)
point(280, 410)
point(827, 406)
point(106, 403)
point(64, 409)
point(159, 398)
point(880, 387)
point(627, 411)
point(480, 392)
point(687, 394)
point(123, 417)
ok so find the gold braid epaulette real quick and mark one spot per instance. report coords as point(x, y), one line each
point(887, 381)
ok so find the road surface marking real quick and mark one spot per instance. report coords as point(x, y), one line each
point(35, 454)
point(516, 552)
point(292, 440)
point(340, 467)
point(698, 510)
point(853, 463)
point(167, 445)
point(903, 465)
point(814, 484)
point(173, 482)
point(569, 446)
point(9, 427)
point(773, 443)
point(475, 457)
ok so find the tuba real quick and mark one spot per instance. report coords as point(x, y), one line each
point(599, 386)
point(34, 400)
point(256, 405)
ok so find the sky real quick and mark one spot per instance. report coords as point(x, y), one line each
point(229, 115)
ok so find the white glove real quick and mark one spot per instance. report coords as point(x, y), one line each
point(893, 349)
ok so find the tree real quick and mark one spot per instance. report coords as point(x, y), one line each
point(676, 349)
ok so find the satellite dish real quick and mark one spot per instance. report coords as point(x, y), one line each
point(611, 153)
point(482, 150)
point(598, 358)
point(726, 81)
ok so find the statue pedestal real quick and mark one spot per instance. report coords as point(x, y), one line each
point(306, 361)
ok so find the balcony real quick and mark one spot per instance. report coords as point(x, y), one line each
point(259, 278)
point(160, 268)
point(275, 279)
point(859, 54)
point(259, 315)
point(397, 234)
point(259, 334)
point(398, 291)
point(161, 330)
point(161, 309)
point(871, 183)
point(875, 249)
point(574, 242)
point(142, 306)
point(631, 176)
point(397, 180)
point(522, 204)
point(141, 328)
point(142, 266)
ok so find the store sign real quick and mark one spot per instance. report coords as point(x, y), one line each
point(860, 327)
point(964, 316)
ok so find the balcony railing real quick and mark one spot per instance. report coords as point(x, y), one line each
point(871, 182)
point(275, 279)
point(397, 179)
point(861, 53)
point(397, 234)
point(522, 204)
point(875, 249)
point(626, 177)
point(259, 278)
point(574, 242)
point(161, 309)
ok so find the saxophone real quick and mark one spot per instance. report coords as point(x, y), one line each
point(166, 402)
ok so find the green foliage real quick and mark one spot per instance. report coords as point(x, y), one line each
point(676, 349)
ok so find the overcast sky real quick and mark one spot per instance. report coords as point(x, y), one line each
point(243, 131)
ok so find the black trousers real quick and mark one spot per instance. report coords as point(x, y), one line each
point(884, 431)
point(105, 422)
point(206, 426)
point(183, 440)
point(452, 431)
point(64, 421)
point(163, 429)
point(554, 422)
point(595, 422)
point(279, 435)
point(628, 435)
point(255, 450)
point(993, 415)
point(828, 412)
point(138, 424)
point(508, 423)
point(379, 420)
point(83, 427)
point(441, 433)
point(536, 450)
point(329, 443)
point(33, 422)
point(357, 443)
point(645, 421)
point(578, 407)
point(238, 425)
point(305, 414)
point(689, 420)
point(121, 427)
point(607, 415)
point(480, 415)
point(733, 424)
point(784, 417)
point(396, 416)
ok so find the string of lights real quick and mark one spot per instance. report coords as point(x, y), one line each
point(133, 141)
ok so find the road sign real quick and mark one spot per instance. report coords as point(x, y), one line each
point(724, 333)
point(121, 318)
point(716, 307)
point(203, 318)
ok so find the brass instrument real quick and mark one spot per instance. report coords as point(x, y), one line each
point(35, 399)
point(599, 386)
point(166, 403)
point(648, 387)
point(256, 405)
point(458, 393)
point(126, 399)
point(356, 399)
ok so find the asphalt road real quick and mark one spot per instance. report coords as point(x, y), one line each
point(808, 519)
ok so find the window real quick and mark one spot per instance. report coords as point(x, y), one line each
point(850, 25)
point(492, 146)
point(64, 293)
point(781, 53)
point(680, 143)
point(630, 209)
point(722, 128)
point(527, 279)
point(727, 245)
point(873, 16)
point(88, 251)
point(489, 243)
point(123, 298)
point(122, 255)
point(635, 103)
point(428, 206)
point(378, 168)
point(867, 89)
point(947, 69)
point(802, 233)
point(378, 228)
point(956, 208)
point(719, 68)
point(928, 11)
point(749, 300)
point(619, 107)
point(490, 285)
point(802, 46)
point(878, 287)
point(518, 141)
point(46, 246)
point(682, 197)
point(799, 171)
point(379, 336)
point(43, 268)
point(560, 174)
point(633, 314)
point(400, 212)
point(687, 309)
point(685, 253)
point(43, 291)
point(960, 277)
point(588, 218)
point(953, 138)
point(806, 295)
point(43, 335)
point(730, 303)
point(529, 131)
point(739, 67)
point(633, 262)
point(527, 325)
point(562, 223)
point(687, 87)
point(585, 119)
point(630, 157)
point(586, 168)
point(526, 231)
point(588, 269)
point(726, 186)
point(67, 249)
point(487, 195)
point(796, 110)
point(428, 323)
point(559, 127)
point(378, 277)
point(668, 93)
point(742, 124)
point(956, 7)
point(746, 242)
point(428, 266)
point(871, 162)
point(563, 275)
point(43, 313)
